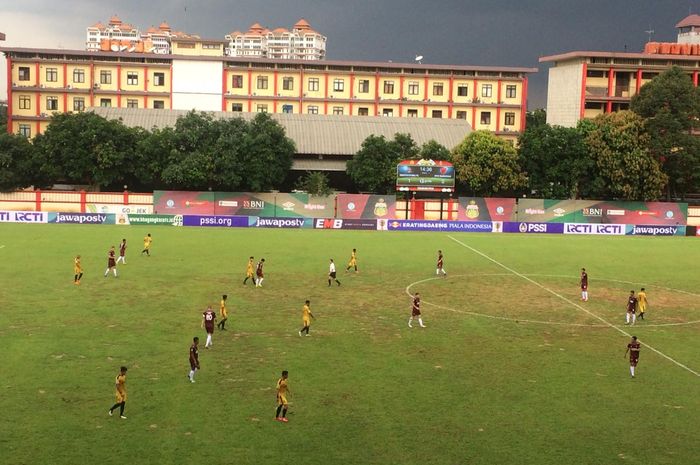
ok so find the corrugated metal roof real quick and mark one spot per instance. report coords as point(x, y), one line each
point(319, 165)
point(316, 134)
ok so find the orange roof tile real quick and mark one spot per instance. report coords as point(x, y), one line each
point(302, 23)
point(692, 20)
point(164, 26)
point(115, 20)
point(256, 27)
point(280, 30)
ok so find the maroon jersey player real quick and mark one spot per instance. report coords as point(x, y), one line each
point(122, 252)
point(259, 275)
point(194, 358)
point(415, 311)
point(631, 314)
point(440, 265)
point(111, 263)
point(208, 321)
point(584, 285)
point(633, 348)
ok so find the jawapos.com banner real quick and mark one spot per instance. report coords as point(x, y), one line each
point(485, 209)
point(605, 212)
point(356, 206)
point(243, 204)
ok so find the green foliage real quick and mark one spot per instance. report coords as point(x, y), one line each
point(433, 150)
point(670, 106)
point(266, 156)
point(315, 183)
point(624, 169)
point(556, 161)
point(373, 168)
point(488, 166)
point(84, 148)
point(16, 161)
point(536, 118)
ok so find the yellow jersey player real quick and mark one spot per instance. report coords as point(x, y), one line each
point(250, 271)
point(120, 385)
point(147, 240)
point(306, 318)
point(282, 391)
point(642, 303)
point(77, 269)
point(223, 312)
point(353, 261)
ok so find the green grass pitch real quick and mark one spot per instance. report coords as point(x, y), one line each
point(508, 371)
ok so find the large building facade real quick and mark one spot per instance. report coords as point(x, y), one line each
point(299, 43)
point(194, 76)
point(584, 84)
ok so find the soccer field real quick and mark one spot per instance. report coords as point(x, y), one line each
point(512, 367)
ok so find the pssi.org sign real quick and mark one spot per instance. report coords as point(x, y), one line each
point(594, 228)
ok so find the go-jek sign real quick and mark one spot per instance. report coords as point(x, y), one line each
point(595, 228)
point(23, 217)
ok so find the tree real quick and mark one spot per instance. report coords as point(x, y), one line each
point(315, 183)
point(267, 156)
point(84, 148)
point(404, 146)
point(670, 106)
point(16, 162)
point(536, 118)
point(433, 150)
point(556, 161)
point(487, 165)
point(624, 168)
point(373, 168)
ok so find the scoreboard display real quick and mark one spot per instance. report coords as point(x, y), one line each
point(424, 176)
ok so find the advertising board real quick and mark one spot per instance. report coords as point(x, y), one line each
point(594, 228)
point(23, 217)
point(340, 223)
point(529, 228)
point(452, 226)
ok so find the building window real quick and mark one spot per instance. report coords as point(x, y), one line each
point(486, 117)
point(105, 102)
point(461, 114)
point(158, 104)
point(313, 84)
point(51, 74)
point(287, 108)
point(78, 104)
point(132, 103)
point(25, 130)
point(105, 77)
point(337, 110)
point(52, 103)
point(288, 83)
point(132, 79)
point(24, 73)
point(412, 113)
point(510, 119)
point(413, 88)
point(388, 87)
point(511, 91)
point(363, 111)
point(438, 88)
point(338, 85)
point(78, 75)
point(261, 108)
point(159, 79)
point(262, 82)
point(236, 107)
point(463, 91)
point(313, 110)
point(237, 81)
point(363, 86)
point(437, 114)
point(486, 90)
point(25, 102)
point(388, 112)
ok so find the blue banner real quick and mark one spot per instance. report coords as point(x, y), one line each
point(214, 220)
point(655, 230)
point(279, 222)
point(455, 226)
point(82, 218)
point(543, 228)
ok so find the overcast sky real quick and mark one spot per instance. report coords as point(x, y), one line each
point(462, 32)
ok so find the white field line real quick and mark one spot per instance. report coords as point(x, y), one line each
point(523, 320)
point(2, 246)
point(603, 320)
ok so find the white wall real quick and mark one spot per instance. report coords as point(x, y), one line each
point(197, 85)
point(564, 93)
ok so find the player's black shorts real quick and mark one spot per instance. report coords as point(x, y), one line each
point(332, 274)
